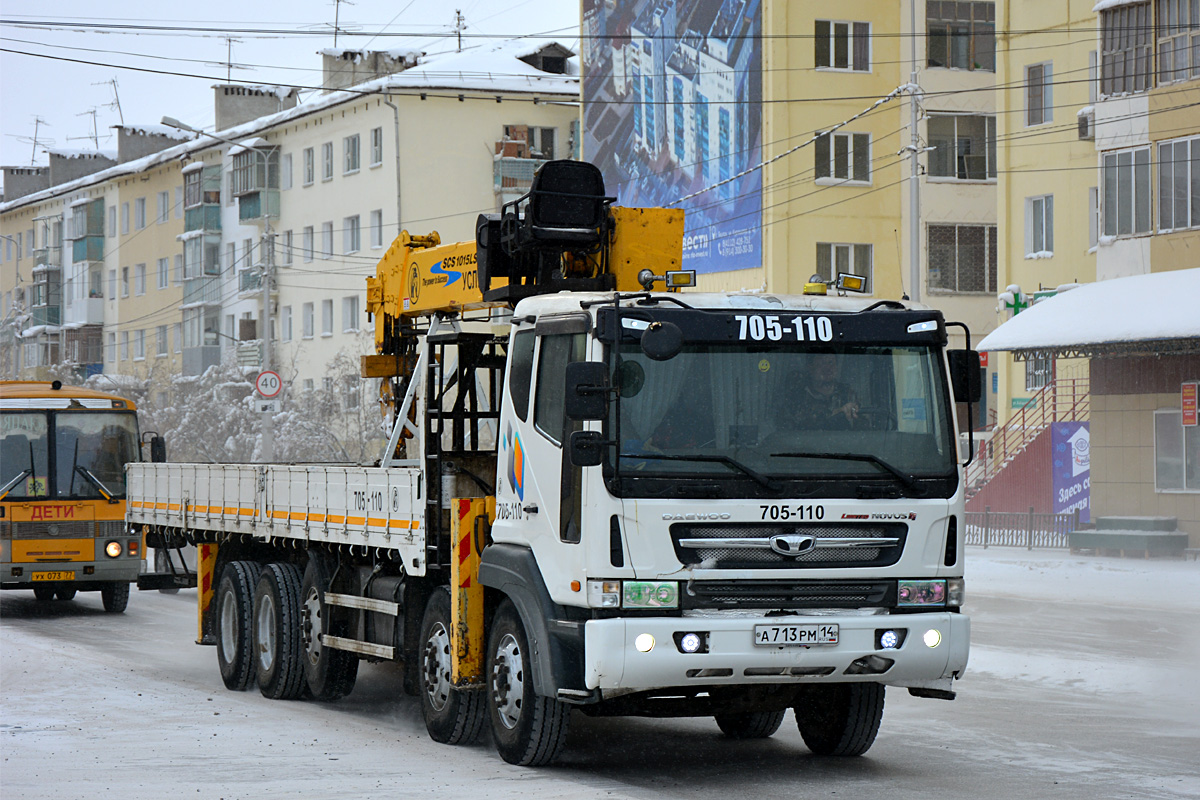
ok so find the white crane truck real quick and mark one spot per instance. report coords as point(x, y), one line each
point(604, 499)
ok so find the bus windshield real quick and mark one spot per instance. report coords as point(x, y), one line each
point(66, 454)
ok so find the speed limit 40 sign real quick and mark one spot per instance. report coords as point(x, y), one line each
point(268, 384)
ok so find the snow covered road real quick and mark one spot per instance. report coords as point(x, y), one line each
point(1083, 683)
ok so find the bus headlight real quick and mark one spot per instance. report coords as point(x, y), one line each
point(112, 549)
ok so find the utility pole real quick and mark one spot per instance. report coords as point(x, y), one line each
point(914, 186)
point(459, 26)
point(268, 275)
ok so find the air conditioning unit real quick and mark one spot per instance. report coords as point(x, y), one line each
point(1087, 124)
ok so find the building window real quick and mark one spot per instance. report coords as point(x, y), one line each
point(139, 213)
point(160, 341)
point(287, 248)
point(306, 321)
point(843, 45)
point(164, 273)
point(139, 345)
point(139, 279)
point(1176, 453)
point(307, 243)
point(285, 172)
point(1179, 184)
point(962, 35)
point(164, 207)
point(351, 235)
point(377, 228)
point(1126, 49)
point(1039, 226)
point(286, 323)
point(124, 218)
point(844, 157)
point(327, 317)
point(1093, 216)
point(326, 240)
point(1126, 192)
point(1039, 371)
point(124, 345)
point(1178, 40)
point(352, 387)
point(962, 258)
point(112, 284)
point(327, 161)
point(111, 350)
point(1039, 94)
point(308, 384)
point(350, 154)
point(964, 147)
point(309, 167)
point(177, 333)
point(853, 258)
point(124, 281)
point(178, 268)
point(178, 202)
point(376, 146)
point(350, 314)
point(112, 224)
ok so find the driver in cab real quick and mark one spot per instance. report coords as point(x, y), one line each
point(824, 401)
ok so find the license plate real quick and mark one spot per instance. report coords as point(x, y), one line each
point(54, 576)
point(784, 635)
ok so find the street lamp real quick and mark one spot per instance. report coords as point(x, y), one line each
point(268, 432)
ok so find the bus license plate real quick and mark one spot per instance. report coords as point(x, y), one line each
point(777, 635)
point(54, 576)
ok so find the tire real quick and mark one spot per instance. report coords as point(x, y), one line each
point(329, 673)
point(65, 594)
point(234, 608)
point(115, 597)
point(841, 719)
point(751, 725)
point(452, 716)
point(278, 664)
point(528, 730)
point(162, 563)
point(44, 593)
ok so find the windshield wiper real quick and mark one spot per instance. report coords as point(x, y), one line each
point(759, 478)
point(8, 487)
point(92, 479)
point(908, 480)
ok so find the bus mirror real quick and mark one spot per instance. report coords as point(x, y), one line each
point(964, 376)
point(587, 390)
point(587, 448)
point(158, 449)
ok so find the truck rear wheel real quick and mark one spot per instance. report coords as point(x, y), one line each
point(277, 652)
point(330, 673)
point(529, 730)
point(452, 715)
point(235, 624)
point(840, 719)
point(115, 597)
point(751, 725)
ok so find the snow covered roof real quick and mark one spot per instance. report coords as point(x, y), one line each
point(156, 130)
point(1136, 314)
point(1109, 5)
point(63, 152)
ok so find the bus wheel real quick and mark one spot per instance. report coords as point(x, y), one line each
point(235, 641)
point(752, 725)
point(330, 673)
point(840, 719)
point(452, 716)
point(64, 594)
point(529, 730)
point(43, 593)
point(115, 597)
point(278, 661)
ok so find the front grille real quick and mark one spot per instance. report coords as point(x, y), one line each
point(75, 529)
point(748, 545)
point(788, 594)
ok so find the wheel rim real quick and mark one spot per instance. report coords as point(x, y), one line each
point(437, 667)
point(508, 681)
point(266, 633)
point(311, 625)
point(229, 625)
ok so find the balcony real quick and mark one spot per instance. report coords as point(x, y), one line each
point(198, 359)
point(202, 290)
point(255, 205)
point(89, 248)
point(46, 315)
point(202, 218)
point(47, 257)
point(249, 280)
point(249, 353)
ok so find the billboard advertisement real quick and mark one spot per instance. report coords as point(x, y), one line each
point(1070, 447)
point(672, 95)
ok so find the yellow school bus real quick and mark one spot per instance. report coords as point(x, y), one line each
point(62, 492)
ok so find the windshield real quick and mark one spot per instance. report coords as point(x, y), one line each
point(801, 413)
point(83, 451)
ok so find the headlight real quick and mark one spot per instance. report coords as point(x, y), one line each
point(650, 594)
point(921, 593)
point(112, 549)
point(604, 594)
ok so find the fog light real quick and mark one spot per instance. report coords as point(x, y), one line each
point(644, 643)
point(690, 643)
point(933, 637)
point(112, 549)
point(888, 640)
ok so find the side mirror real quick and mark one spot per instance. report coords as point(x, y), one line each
point(158, 449)
point(587, 448)
point(964, 376)
point(587, 390)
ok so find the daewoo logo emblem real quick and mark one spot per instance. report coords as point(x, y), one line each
point(793, 544)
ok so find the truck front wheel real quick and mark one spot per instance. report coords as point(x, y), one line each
point(752, 725)
point(277, 632)
point(840, 719)
point(529, 730)
point(235, 639)
point(452, 715)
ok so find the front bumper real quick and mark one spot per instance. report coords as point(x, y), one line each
point(611, 661)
